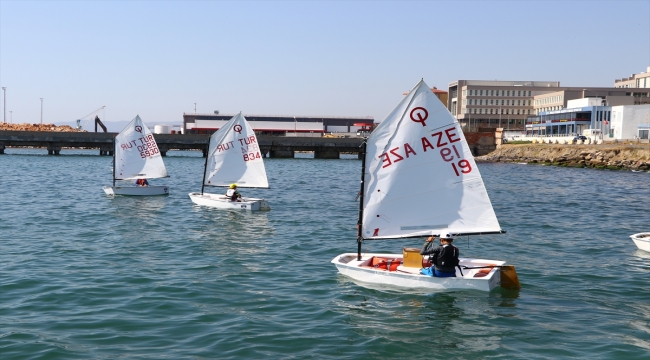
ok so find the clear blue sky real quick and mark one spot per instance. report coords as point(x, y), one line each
point(314, 58)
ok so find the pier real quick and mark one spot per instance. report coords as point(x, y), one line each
point(271, 146)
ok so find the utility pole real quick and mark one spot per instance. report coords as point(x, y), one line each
point(195, 108)
point(41, 111)
point(4, 107)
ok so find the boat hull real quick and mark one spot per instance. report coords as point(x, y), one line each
point(642, 240)
point(475, 279)
point(221, 202)
point(136, 190)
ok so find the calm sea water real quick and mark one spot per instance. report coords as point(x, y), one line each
point(86, 276)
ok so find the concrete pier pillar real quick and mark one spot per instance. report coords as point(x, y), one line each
point(282, 154)
point(327, 154)
point(2, 149)
point(53, 150)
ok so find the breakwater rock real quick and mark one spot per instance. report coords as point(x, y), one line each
point(614, 156)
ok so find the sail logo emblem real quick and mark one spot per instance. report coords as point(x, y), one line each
point(421, 114)
point(138, 128)
point(237, 129)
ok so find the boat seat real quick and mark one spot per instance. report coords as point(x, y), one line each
point(410, 270)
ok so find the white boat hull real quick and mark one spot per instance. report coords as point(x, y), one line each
point(405, 277)
point(222, 202)
point(136, 190)
point(642, 240)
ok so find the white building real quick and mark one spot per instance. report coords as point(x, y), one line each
point(629, 122)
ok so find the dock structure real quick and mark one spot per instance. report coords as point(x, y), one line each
point(271, 146)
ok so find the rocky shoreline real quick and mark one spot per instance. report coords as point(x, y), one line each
point(605, 156)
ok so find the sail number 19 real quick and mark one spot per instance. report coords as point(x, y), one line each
point(462, 166)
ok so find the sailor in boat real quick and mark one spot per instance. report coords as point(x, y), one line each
point(233, 194)
point(142, 182)
point(444, 258)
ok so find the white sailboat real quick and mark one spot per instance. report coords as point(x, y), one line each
point(234, 157)
point(642, 240)
point(136, 156)
point(419, 179)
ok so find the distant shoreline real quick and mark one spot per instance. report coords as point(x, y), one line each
point(604, 156)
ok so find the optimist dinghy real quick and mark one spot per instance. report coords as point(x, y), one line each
point(136, 156)
point(642, 240)
point(234, 157)
point(419, 179)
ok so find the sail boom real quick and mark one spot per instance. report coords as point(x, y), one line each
point(241, 186)
point(435, 235)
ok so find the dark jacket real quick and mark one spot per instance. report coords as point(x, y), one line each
point(443, 257)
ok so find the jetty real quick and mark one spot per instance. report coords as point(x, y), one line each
point(480, 143)
point(273, 146)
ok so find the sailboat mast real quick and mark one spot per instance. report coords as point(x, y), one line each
point(360, 221)
point(205, 167)
point(114, 162)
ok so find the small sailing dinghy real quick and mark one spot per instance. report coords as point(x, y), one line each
point(419, 179)
point(642, 240)
point(136, 156)
point(234, 157)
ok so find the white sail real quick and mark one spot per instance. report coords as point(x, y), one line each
point(420, 177)
point(234, 156)
point(136, 153)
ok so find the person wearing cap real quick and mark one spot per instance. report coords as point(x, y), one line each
point(444, 258)
point(233, 194)
point(142, 182)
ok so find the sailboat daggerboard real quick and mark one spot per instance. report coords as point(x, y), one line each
point(421, 178)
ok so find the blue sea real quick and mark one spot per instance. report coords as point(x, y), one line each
point(88, 276)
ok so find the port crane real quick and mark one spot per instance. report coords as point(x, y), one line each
point(88, 118)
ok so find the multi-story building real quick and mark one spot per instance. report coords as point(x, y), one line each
point(641, 80)
point(558, 100)
point(507, 104)
point(484, 103)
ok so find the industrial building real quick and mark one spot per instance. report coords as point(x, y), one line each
point(309, 126)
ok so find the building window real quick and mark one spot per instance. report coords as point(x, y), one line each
point(470, 92)
point(501, 102)
point(518, 93)
point(491, 102)
point(528, 92)
point(481, 92)
point(519, 102)
point(508, 92)
point(518, 112)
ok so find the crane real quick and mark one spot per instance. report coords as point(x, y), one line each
point(89, 117)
